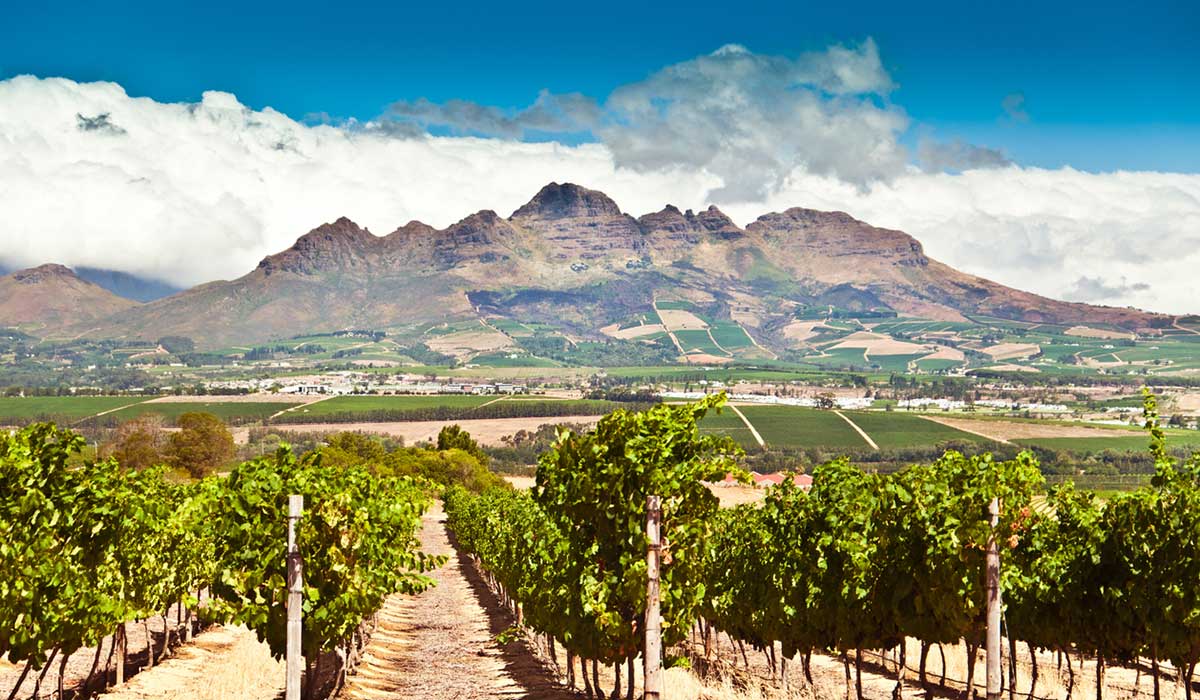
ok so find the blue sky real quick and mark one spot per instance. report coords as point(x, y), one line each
point(1106, 85)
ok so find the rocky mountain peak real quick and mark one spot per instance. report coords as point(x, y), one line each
point(670, 224)
point(568, 200)
point(482, 237)
point(412, 230)
point(42, 273)
point(837, 234)
point(716, 222)
point(340, 245)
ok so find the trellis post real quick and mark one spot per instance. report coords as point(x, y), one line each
point(993, 605)
point(652, 683)
point(295, 584)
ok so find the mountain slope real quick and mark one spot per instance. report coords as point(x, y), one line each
point(570, 258)
point(48, 299)
point(123, 284)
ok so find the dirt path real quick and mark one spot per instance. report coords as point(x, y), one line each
point(753, 431)
point(861, 433)
point(223, 663)
point(441, 644)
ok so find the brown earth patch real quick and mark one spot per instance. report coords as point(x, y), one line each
point(486, 431)
point(615, 331)
point(877, 344)
point(680, 320)
point(464, 342)
point(1010, 351)
point(1088, 332)
point(1015, 430)
point(224, 663)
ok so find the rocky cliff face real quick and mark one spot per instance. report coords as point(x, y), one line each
point(580, 224)
point(342, 245)
point(570, 253)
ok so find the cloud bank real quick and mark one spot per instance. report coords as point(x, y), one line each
point(749, 119)
point(193, 192)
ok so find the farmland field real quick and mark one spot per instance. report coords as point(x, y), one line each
point(896, 363)
point(727, 423)
point(787, 426)
point(229, 411)
point(343, 404)
point(841, 357)
point(730, 335)
point(697, 340)
point(1130, 443)
point(25, 409)
point(889, 429)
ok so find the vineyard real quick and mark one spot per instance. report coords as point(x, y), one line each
point(84, 550)
point(860, 562)
point(869, 571)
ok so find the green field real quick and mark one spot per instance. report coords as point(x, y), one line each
point(730, 335)
point(676, 305)
point(344, 404)
point(20, 410)
point(502, 359)
point(788, 426)
point(698, 340)
point(890, 429)
point(841, 357)
point(727, 423)
point(228, 411)
point(1131, 443)
point(936, 365)
point(895, 363)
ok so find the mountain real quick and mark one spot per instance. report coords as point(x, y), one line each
point(127, 285)
point(48, 299)
point(571, 260)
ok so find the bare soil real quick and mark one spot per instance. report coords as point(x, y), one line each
point(442, 644)
point(1089, 332)
point(1011, 351)
point(485, 431)
point(225, 663)
point(1014, 430)
point(877, 344)
point(681, 320)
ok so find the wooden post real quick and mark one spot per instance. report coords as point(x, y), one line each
point(652, 678)
point(993, 605)
point(295, 583)
point(120, 641)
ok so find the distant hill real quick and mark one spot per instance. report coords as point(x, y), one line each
point(48, 299)
point(124, 284)
point(572, 260)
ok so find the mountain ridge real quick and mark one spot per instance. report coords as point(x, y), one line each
point(572, 257)
point(51, 297)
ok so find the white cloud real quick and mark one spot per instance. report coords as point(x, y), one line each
point(192, 192)
point(748, 118)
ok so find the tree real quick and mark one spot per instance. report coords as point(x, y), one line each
point(176, 344)
point(138, 444)
point(453, 437)
point(202, 444)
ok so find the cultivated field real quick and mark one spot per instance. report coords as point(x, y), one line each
point(20, 410)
